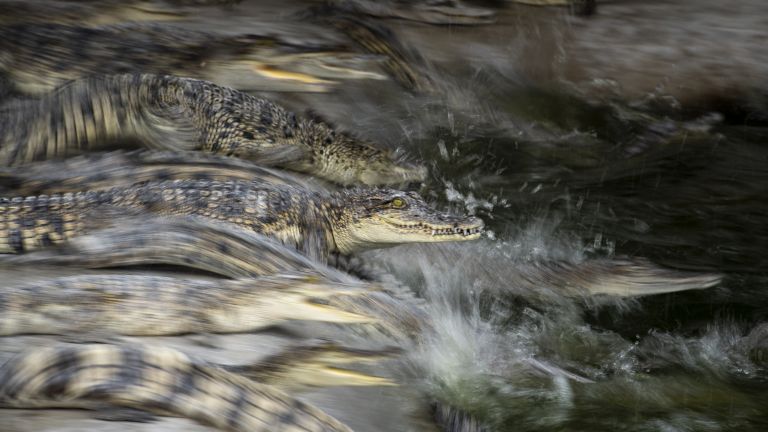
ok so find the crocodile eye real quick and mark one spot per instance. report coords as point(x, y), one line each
point(398, 203)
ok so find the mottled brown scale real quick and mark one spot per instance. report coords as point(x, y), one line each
point(316, 224)
point(172, 113)
point(220, 249)
point(282, 212)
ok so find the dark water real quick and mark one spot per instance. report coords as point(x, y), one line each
point(566, 178)
point(561, 175)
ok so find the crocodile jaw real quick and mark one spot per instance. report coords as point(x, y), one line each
point(383, 232)
point(321, 375)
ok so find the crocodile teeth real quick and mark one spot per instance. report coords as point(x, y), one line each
point(455, 231)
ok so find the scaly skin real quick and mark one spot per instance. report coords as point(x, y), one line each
point(345, 222)
point(154, 379)
point(145, 305)
point(189, 242)
point(172, 113)
point(37, 58)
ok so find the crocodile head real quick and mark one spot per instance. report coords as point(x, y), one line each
point(374, 218)
point(349, 161)
point(269, 69)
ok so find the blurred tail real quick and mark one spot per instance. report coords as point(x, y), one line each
point(631, 278)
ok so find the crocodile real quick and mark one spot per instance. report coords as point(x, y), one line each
point(150, 305)
point(318, 224)
point(221, 250)
point(37, 58)
point(152, 379)
point(174, 113)
point(217, 249)
point(399, 316)
point(405, 66)
point(105, 170)
point(184, 242)
point(88, 13)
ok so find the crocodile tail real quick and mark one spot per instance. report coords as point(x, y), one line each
point(153, 379)
point(629, 278)
point(97, 113)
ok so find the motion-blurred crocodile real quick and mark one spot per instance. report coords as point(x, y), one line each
point(405, 66)
point(86, 13)
point(172, 113)
point(317, 224)
point(150, 305)
point(152, 379)
point(219, 249)
point(187, 242)
point(37, 58)
point(105, 170)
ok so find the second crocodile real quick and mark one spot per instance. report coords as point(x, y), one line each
point(173, 113)
point(317, 224)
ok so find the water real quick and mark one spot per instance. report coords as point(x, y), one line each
point(574, 175)
point(586, 181)
point(578, 174)
point(566, 175)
